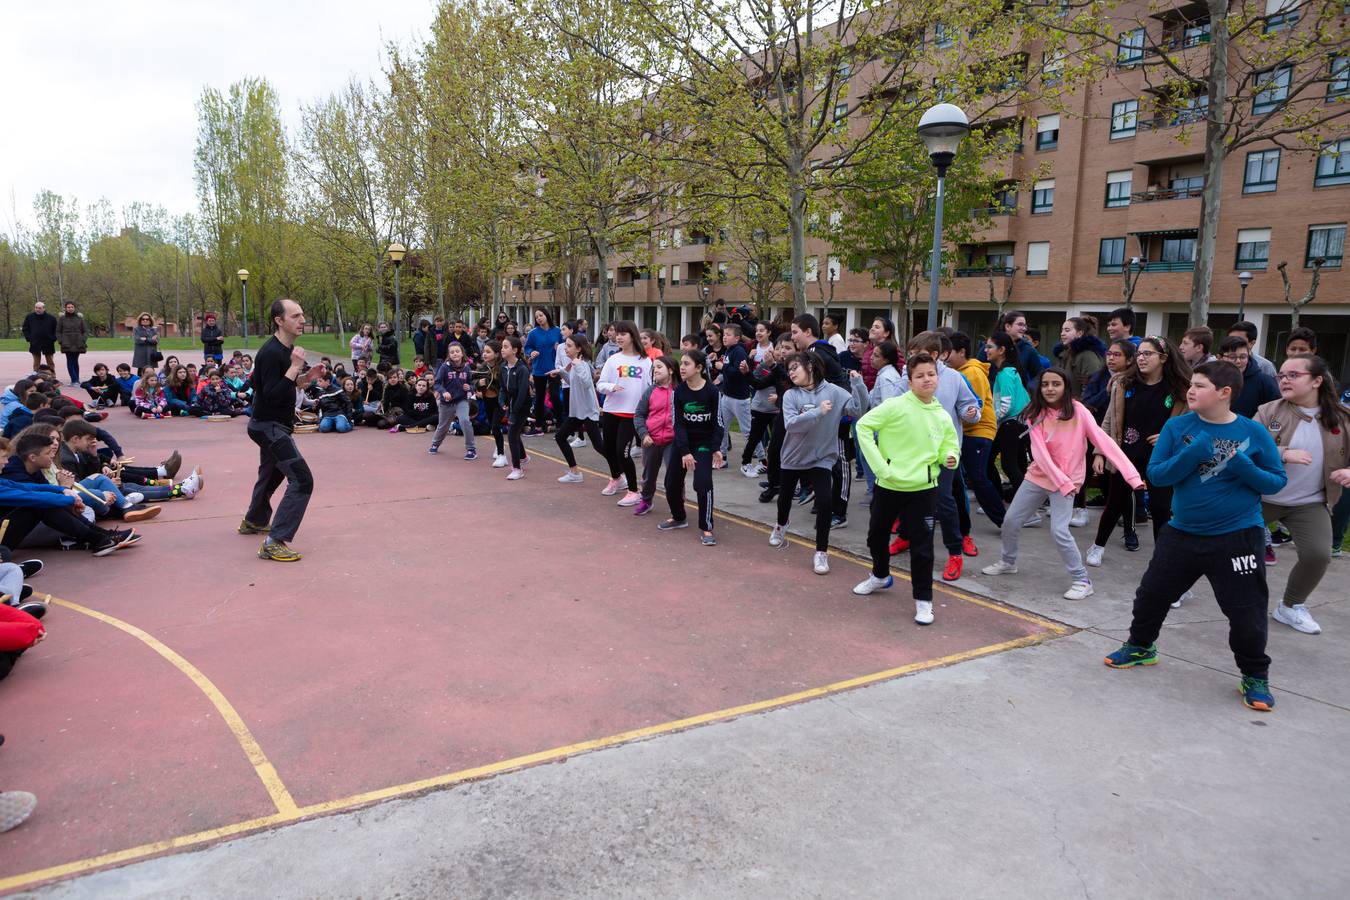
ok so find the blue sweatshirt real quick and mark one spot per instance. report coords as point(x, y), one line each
point(544, 340)
point(1217, 472)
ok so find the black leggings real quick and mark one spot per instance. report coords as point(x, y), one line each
point(618, 433)
point(774, 456)
point(703, 486)
point(819, 481)
point(552, 388)
point(492, 411)
point(1011, 446)
point(759, 426)
point(590, 427)
point(514, 442)
point(915, 510)
point(1120, 500)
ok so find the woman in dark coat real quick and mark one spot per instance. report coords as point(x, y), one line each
point(146, 338)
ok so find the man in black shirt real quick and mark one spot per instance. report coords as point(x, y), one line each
point(276, 376)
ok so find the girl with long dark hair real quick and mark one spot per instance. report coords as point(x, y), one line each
point(623, 381)
point(583, 410)
point(697, 447)
point(541, 352)
point(1312, 432)
point(1010, 398)
point(487, 380)
point(515, 402)
point(1142, 399)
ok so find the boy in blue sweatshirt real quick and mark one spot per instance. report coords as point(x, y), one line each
point(1218, 465)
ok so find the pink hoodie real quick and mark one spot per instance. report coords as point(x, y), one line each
point(1059, 452)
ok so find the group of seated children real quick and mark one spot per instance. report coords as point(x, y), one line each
point(176, 389)
point(382, 397)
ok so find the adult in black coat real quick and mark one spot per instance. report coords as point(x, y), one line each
point(39, 329)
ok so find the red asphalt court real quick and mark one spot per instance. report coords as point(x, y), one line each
point(443, 619)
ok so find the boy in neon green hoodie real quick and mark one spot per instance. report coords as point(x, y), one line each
point(906, 441)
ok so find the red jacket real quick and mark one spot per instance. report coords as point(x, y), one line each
point(18, 630)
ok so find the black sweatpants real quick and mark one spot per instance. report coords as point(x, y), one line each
point(23, 519)
point(1235, 566)
point(492, 412)
point(1011, 448)
point(818, 479)
point(589, 427)
point(703, 486)
point(1119, 508)
point(279, 460)
point(759, 426)
point(552, 388)
point(773, 457)
point(915, 509)
point(618, 434)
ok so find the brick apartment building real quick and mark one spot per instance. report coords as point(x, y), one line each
point(1118, 184)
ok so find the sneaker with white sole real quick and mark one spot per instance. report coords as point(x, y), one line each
point(1094, 555)
point(576, 442)
point(1000, 568)
point(776, 536)
point(135, 497)
point(873, 583)
point(1297, 618)
point(630, 498)
point(571, 478)
point(923, 612)
point(821, 563)
point(515, 475)
point(498, 461)
point(750, 470)
point(1079, 518)
point(191, 485)
point(1079, 590)
point(1176, 604)
point(1033, 521)
point(612, 487)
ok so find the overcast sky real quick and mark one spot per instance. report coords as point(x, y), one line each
point(100, 95)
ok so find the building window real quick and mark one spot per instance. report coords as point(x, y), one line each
point(941, 35)
point(1038, 257)
point(999, 258)
point(1052, 67)
point(1124, 118)
point(675, 274)
point(1047, 132)
point(1130, 50)
point(1178, 249)
point(1281, 14)
point(1272, 89)
point(1326, 242)
point(1253, 248)
point(812, 268)
point(832, 268)
point(1338, 85)
point(1118, 188)
point(1262, 172)
point(1111, 257)
point(840, 111)
point(1043, 196)
point(1005, 199)
point(722, 270)
point(1333, 164)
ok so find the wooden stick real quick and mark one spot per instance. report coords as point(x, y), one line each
point(80, 487)
point(4, 526)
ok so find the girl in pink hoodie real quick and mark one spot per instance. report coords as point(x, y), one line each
point(1060, 428)
point(654, 423)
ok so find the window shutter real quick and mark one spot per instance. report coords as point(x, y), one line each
point(1038, 256)
point(1124, 177)
point(1047, 123)
point(1253, 236)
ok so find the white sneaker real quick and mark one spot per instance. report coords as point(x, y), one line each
point(1079, 590)
point(923, 612)
point(576, 442)
point(1176, 604)
point(1094, 555)
point(630, 498)
point(135, 497)
point(498, 461)
point(612, 487)
point(1000, 568)
point(821, 563)
point(571, 478)
point(515, 475)
point(750, 470)
point(873, 583)
point(1079, 519)
point(634, 452)
point(776, 536)
point(1297, 618)
point(191, 485)
point(1033, 521)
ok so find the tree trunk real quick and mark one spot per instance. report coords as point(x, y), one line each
point(337, 312)
point(797, 236)
point(602, 263)
point(1215, 154)
point(440, 286)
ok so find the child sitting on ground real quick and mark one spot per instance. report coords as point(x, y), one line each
point(148, 400)
point(126, 383)
point(215, 398)
point(22, 417)
point(102, 388)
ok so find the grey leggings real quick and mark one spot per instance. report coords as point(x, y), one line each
point(1024, 506)
point(450, 412)
point(1311, 528)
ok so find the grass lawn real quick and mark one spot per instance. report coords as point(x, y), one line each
point(326, 344)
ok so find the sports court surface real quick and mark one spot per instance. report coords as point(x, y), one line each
point(445, 625)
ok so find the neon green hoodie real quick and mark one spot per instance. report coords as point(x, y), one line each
point(907, 442)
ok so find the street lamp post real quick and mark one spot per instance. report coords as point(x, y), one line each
point(243, 283)
point(942, 128)
point(396, 253)
point(1244, 279)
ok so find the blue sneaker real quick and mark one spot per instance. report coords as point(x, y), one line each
point(1131, 655)
point(433, 449)
point(1256, 694)
point(471, 454)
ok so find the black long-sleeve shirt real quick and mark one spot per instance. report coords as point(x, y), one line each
point(697, 427)
point(273, 392)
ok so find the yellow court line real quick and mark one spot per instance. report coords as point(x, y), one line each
point(281, 797)
point(354, 801)
point(838, 553)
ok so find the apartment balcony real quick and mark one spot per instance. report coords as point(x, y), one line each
point(1158, 140)
point(984, 271)
point(1157, 266)
point(1161, 210)
point(999, 229)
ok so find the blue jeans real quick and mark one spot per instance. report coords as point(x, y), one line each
point(340, 424)
point(98, 484)
point(176, 407)
point(975, 466)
